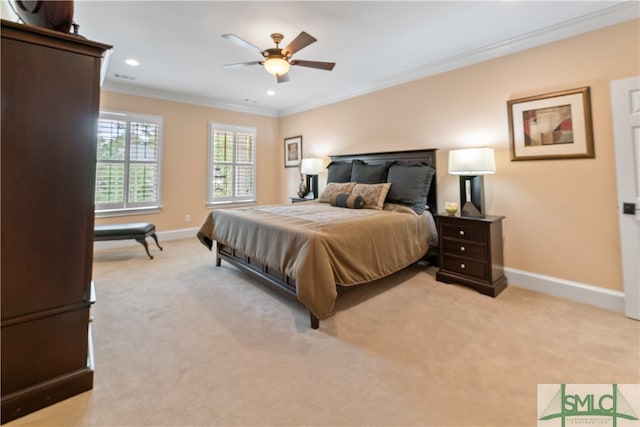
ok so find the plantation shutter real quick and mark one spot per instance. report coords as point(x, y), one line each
point(110, 169)
point(231, 164)
point(128, 162)
point(245, 182)
point(143, 164)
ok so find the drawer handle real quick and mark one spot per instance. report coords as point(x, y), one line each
point(462, 266)
point(462, 249)
point(462, 232)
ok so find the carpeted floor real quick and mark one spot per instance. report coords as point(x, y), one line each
point(180, 342)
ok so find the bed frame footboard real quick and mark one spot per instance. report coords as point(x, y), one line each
point(274, 278)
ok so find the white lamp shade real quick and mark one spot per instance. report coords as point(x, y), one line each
point(311, 166)
point(472, 161)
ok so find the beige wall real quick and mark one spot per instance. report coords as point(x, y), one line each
point(561, 215)
point(184, 157)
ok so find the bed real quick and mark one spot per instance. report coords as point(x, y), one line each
point(306, 250)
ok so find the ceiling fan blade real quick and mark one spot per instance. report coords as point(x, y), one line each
point(303, 40)
point(282, 78)
point(243, 64)
point(241, 42)
point(314, 64)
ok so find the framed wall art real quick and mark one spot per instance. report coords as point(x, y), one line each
point(292, 151)
point(551, 126)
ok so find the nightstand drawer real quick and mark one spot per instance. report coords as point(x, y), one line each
point(466, 267)
point(466, 249)
point(464, 232)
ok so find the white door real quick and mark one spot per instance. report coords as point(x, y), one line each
point(625, 106)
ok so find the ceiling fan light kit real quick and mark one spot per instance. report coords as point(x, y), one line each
point(278, 61)
point(276, 66)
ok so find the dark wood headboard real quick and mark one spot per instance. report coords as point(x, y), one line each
point(428, 157)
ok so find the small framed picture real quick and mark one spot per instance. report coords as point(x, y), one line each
point(551, 126)
point(292, 151)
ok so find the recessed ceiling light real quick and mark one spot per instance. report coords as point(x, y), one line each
point(132, 62)
point(270, 93)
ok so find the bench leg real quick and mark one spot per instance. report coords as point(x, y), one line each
point(156, 239)
point(143, 242)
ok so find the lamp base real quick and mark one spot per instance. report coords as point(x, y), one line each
point(302, 189)
point(312, 187)
point(472, 195)
point(469, 209)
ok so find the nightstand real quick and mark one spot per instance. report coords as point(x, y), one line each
point(470, 252)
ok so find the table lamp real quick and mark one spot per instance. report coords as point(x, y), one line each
point(472, 164)
point(311, 168)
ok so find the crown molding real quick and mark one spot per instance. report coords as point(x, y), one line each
point(204, 101)
point(621, 12)
point(613, 15)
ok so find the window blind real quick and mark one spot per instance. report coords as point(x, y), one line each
point(231, 164)
point(128, 161)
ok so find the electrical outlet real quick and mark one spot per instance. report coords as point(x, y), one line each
point(187, 218)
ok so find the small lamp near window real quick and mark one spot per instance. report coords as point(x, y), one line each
point(311, 168)
point(472, 164)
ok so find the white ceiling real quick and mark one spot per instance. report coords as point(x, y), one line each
point(374, 44)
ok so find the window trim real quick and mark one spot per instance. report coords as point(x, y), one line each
point(138, 209)
point(233, 200)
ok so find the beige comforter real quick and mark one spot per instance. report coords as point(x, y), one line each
point(320, 246)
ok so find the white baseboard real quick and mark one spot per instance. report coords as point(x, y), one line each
point(575, 291)
point(163, 236)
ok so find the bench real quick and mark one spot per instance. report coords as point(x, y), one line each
point(139, 231)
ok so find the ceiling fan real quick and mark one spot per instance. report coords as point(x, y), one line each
point(276, 60)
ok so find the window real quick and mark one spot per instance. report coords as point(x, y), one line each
point(128, 169)
point(231, 165)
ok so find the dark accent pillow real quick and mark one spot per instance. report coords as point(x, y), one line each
point(339, 172)
point(346, 200)
point(410, 183)
point(364, 173)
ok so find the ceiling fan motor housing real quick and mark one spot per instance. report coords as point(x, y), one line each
point(273, 53)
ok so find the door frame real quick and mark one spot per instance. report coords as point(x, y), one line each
point(625, 110)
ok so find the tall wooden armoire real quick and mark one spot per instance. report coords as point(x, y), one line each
point(50, 102)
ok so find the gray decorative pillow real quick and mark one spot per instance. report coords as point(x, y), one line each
point(339, 172)
point(346, 200)
point(364, 173)
point(410, 183)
